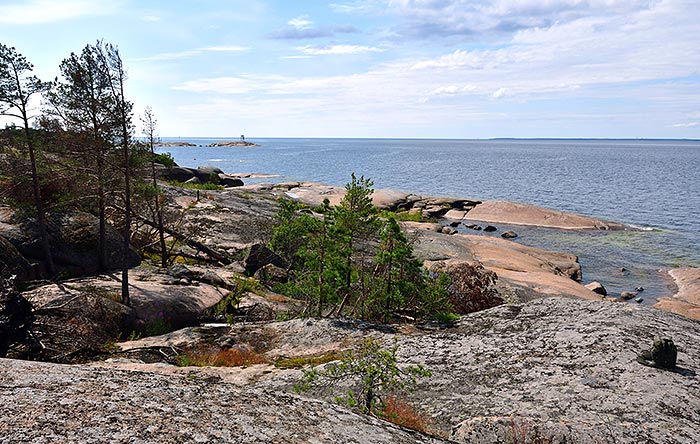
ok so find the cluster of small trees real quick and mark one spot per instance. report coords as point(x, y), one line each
point(78, 146)
point(347, 260)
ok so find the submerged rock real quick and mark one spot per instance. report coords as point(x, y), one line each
point(626, 295)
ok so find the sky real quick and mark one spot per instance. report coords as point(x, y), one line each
point(387, 68)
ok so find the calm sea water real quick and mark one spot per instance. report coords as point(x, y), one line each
point(653, 185)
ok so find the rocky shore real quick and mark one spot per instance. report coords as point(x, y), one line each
point(556, 362)
point(686, 300)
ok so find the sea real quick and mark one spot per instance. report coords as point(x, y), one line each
point(651, 185)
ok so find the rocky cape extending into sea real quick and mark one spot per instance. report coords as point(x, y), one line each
point(559, 359)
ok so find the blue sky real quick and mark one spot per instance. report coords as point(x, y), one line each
point(388, 68)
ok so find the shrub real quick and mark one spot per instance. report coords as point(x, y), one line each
point(375, 372)
point(165, 159)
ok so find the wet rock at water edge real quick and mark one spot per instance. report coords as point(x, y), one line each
point(597, 287)
point(639, 289)
point(509, 235)
point(627, 295)
point(230, 181)
point(490, 229)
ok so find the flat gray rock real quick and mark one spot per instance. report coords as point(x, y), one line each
point(42, 402)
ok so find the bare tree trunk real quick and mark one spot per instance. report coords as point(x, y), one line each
point(101, 243)
point(38, 202)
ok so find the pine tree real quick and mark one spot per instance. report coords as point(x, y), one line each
point(17, 88)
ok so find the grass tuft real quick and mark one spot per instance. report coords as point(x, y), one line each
point(217, 357)
point(303, 361)
point(399, 412)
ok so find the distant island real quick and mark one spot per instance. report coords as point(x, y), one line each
point(234, 143)
point(175, 144)
point(215, 144)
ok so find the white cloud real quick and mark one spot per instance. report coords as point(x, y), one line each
point(225, 48)
point(337, 49)
point(468, 18)
point(189, 53)
point(501, 93)
point(150, 18)
point(32, 12)
point(221, 85)
point(629, 67)
point(301, 22)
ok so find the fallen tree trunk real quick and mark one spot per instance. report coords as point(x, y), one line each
point(216, 255)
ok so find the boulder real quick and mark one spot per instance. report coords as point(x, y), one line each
point(509, 235)
point(490, 229)
point(436, 211)
point(259, 256)
point(626, 295)
point(16, 316)
point(193, 181)
point(13, 262)
point(270, 275)
point(208, 174)
point(597, 287)
point(74, 241)
point(662, 354)
point(178, 174)
point(448, 230)
point(230, 181)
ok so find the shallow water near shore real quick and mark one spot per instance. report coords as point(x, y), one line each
point(651, 184)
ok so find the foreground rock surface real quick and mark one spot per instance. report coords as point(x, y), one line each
point(566, 367)
point(42, 402)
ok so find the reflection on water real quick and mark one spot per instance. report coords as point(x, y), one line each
point(620, 260)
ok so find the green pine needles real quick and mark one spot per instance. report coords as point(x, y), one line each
point(374, 373)
point(346, 260)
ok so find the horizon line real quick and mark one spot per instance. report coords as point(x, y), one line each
point(440, 138)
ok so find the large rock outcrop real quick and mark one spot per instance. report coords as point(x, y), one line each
point(74, 243)
point(564, 367)
point(42, 402)
point(522, 214)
